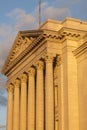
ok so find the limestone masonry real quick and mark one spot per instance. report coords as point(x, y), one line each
point(47, 77)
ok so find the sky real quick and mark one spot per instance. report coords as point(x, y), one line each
point(16, 15)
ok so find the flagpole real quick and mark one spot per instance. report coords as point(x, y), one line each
point(39, 13)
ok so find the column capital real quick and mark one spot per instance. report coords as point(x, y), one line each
point(17, 83)
point(10, 88)
point(40, 65)
point(31, 71)
point(24, 77)
point(56, 76)
point(49, 58)
point(59, 60)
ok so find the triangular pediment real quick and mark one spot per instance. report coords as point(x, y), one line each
point(22, 41)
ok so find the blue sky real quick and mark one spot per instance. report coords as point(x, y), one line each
point(18, 15)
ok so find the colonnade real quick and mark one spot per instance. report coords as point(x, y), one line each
point(31, 98)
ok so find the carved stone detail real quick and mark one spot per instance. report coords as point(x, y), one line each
point(59, 60)
point(56, 72)
point(17, 83)
point(24, 78)
point(57, 63)
point(56, 76)
point(40, 65)
point(21, 45)
point(10, 88)
point(49, 58)
point(31, 71)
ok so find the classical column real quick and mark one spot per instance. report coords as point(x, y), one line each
point(61, 86)
point(56, 84)
point(16, 104)
point(40, 96)
point(10, 107)
point(31, 99)
point(49, 94)
point(23, 109)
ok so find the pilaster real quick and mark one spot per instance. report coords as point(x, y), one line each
point(81, 57)
point(70, 95)
point(60, 93)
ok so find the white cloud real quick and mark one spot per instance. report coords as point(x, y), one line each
point(6, 40)
point(56, 13)
point(21, 18)
point(4, 30)
point(18, 20)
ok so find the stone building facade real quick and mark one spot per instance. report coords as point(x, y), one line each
point(47, 77)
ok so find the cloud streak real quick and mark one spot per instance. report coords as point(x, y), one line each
point(21, 19)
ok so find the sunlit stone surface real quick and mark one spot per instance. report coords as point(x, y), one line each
point(47, 77)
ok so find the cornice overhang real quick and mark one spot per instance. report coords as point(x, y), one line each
point(66, 32)
point(80, 50)
point(34, 37)
point(33, 33)
point(38, 36)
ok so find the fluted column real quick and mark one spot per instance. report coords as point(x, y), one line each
point(49, 92)
point(31, 99)
point(23, 114)
point(40, 96)
point(16, 104)
point(10, 107)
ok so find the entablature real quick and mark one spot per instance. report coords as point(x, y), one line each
point(27, 41)
point(23, 45)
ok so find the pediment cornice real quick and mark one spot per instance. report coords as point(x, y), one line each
point(27, 40)
point(81, 50)
point(73, 34)
point(21, 43)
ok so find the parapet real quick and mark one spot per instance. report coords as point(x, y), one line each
point(71, 23)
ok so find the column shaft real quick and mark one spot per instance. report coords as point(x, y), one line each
point(23, 109)
point(31, 99)
point(10, 108)
point(16, 105)
point(49, 94)
point(40, 97)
